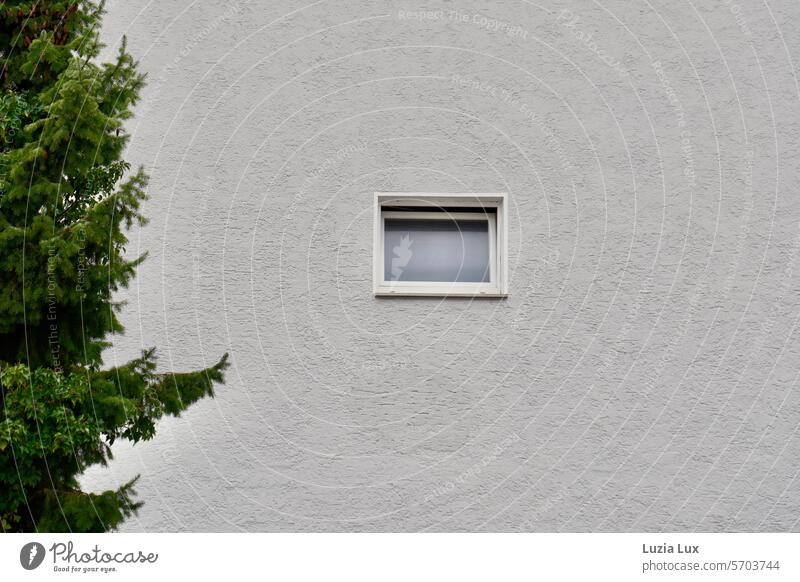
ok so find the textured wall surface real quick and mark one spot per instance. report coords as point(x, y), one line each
point(643, 373)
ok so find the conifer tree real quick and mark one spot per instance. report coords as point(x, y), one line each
point(67, 199)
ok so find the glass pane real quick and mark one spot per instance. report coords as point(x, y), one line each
point(436, 250)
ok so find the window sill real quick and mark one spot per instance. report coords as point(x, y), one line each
point(438, 292)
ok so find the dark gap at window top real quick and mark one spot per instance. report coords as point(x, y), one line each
point(450, 226)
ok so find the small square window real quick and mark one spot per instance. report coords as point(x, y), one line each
point(440, 244)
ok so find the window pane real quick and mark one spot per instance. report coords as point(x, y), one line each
point(436, 250)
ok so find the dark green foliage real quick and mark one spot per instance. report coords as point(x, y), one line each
point(56, 424)
point(67, 199)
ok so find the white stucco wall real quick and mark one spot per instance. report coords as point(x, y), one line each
point(642, 375)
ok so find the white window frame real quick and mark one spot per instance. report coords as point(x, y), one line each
point(497, 217)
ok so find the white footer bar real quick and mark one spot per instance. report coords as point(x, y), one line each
point(389, 557)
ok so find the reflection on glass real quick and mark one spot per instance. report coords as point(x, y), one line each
point(436, 250)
